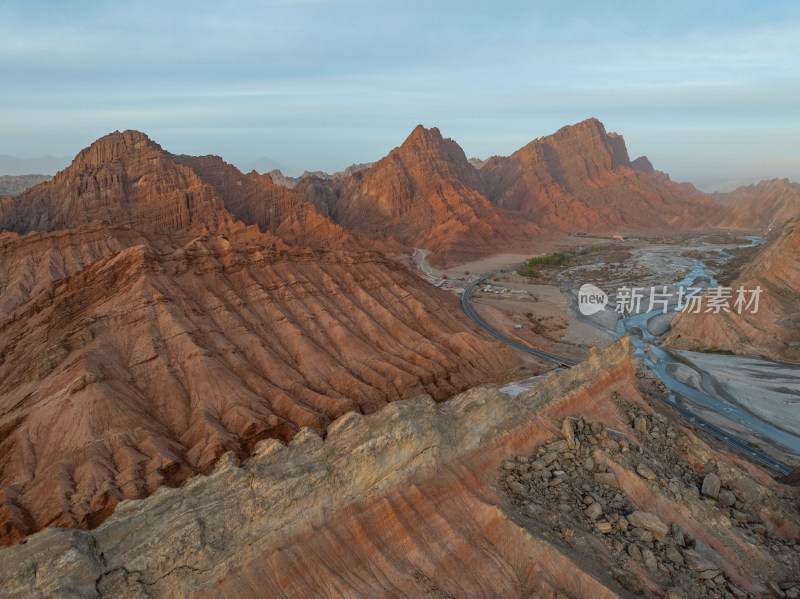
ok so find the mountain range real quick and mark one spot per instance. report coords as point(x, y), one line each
point(46, 165)
point(771, 204)
point(13, 185)
point(160, 310)
point(424, 193)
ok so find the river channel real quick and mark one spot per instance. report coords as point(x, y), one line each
point(755, 400)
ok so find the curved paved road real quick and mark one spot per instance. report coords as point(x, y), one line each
point(736, 443)
point(560, 360)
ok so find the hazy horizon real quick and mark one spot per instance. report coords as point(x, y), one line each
point(49, 165)
point(707, 93)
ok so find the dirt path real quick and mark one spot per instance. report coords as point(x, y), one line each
point(420, 259)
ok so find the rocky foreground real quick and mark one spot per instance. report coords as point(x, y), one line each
point(578, 488)
point(596, 507)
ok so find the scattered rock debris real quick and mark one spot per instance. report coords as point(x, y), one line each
point(566, 487)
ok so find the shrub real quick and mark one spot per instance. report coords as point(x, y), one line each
point(553, 259)
point(527, 271)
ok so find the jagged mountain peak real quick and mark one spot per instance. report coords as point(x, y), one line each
point(116, 145)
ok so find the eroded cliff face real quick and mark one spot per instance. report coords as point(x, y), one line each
point(425, 194)
point(255, 200)
point(774, 331)
point(581, 179)
point(124, 179)
point(127, 180)
point(29, 264)
point(771, 203)
point(448, 499)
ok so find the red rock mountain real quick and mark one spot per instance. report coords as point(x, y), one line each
point(255, 200)
point(125, 179)
point(206, 312)
point(128, 180)
point(774, 331)
point(771, 203)
point(581, 179)
point(426, 194)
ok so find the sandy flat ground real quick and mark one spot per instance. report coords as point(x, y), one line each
point(487, 264)
point(549, 309)
point(541, 244)
point(540, 310)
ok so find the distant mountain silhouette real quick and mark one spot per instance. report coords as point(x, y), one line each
point(46, 165)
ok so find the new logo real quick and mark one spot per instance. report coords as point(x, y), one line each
point(591, 299)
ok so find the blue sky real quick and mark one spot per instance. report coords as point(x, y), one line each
point(708, 90)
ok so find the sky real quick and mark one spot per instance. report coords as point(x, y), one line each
point(709, 91)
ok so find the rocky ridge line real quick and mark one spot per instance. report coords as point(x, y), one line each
point(178, 541)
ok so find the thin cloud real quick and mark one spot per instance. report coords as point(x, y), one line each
point(284, 79)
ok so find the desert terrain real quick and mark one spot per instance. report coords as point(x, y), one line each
point(751, 398)
point(381, 383)
point(399, 300)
